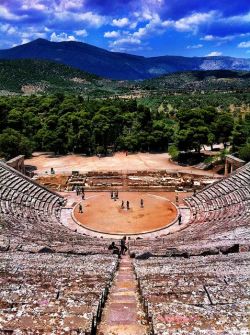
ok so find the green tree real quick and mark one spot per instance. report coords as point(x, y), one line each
point(13, 143)
point(173, 152)
point(223, 127)
point(244, 152)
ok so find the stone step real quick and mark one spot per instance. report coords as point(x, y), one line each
point(122, 330)
point(123, 314)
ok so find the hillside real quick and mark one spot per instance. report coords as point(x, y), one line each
point(115, 65)
point(26, 76)
point(34, 76)
point(217, 80)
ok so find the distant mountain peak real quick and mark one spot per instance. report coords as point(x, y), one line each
point(39, 40)
point(115, 65)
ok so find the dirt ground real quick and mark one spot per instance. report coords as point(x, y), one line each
point(103, 214)
point(119, 162)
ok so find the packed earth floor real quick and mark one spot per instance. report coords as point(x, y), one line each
point(103, 214)
point(118, 162)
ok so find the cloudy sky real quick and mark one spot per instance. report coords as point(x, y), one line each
point(143, 27)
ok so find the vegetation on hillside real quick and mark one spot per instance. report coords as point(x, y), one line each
point(44, 75)
point(70, 123)
point(26, 76)
point(216, 80)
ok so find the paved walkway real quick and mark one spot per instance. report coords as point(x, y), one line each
point(123, 314)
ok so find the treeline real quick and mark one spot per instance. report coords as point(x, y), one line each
point(68, 123)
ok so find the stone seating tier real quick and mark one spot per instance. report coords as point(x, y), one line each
point(220, 216)
point(52, 293)
point(199, 295)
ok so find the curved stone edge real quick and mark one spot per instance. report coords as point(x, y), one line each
point(118, 235)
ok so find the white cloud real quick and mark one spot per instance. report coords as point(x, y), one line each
point(34, 4)
point(218, 38)
point(61, 37)
point(7, 15)
point(245, 44)
point(28, 35)
point(133, 25)
point(82, 32)
point(189, 23)
point(92, 19)
point(25, 40)
point(195, 46)
point(214, 53)
point(245, 18)
point(127, 40)
point(63, 5)
point(112, 34)
point(155, 25)
point(31, 34)
point(89, 18)
point(7, 29)
point(192, 22)
point(208, 38)
point(244, 35)
point(11, 30)
point(123, 22)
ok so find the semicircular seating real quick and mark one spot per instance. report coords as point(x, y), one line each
point(55, 279)
point(220, 216)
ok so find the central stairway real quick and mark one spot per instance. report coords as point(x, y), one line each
point(123, 313)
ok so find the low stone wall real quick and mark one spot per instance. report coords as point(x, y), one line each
point(17, 163)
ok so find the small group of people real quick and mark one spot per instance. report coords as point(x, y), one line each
point(128, 204)
point(123, 248)
point(79, 190)
point(123, 206)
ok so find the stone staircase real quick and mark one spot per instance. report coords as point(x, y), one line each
point(123, 313)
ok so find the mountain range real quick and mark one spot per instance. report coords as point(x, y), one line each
point(30, 76)
point(115, 65)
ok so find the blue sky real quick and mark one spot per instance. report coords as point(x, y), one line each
point(142, 27)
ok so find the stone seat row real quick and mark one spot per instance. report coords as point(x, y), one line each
point(52, 292)
point(199, 295)
point(30, 215)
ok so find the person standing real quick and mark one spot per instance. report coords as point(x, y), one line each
point(123, 246)
point(80, 208)
point(122, 205)
point(127, 205)
point(179, 219)
point(142, 203)
point(177, 199)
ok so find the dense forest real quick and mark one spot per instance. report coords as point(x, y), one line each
point(70, 123)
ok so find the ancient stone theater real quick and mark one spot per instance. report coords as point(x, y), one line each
point(124, 252)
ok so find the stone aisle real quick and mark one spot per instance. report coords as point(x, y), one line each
point(123, 313)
